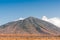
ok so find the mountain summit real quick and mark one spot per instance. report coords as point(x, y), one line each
point(30, 25)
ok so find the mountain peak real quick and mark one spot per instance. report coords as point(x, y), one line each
point(31, 18)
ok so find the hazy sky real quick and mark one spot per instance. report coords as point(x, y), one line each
point(14, 9)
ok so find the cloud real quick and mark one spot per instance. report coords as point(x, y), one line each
point(19, 19)
point(54, 20)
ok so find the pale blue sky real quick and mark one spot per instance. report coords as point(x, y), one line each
point(14, 9)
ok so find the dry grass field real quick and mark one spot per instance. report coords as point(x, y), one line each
point(28, 37)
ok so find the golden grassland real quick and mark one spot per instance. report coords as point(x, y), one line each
point(29, 38)
point(21, 37)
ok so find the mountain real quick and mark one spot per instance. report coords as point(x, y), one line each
point(30, 25)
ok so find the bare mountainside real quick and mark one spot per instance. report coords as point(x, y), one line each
point(30, 26)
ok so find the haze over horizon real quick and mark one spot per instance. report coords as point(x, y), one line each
point(15, 9)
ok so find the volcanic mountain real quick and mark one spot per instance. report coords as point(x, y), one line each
point(30, 25)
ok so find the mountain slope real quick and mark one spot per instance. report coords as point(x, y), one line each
point(30, 25)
